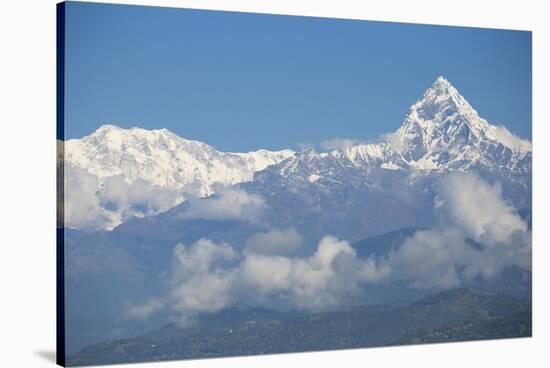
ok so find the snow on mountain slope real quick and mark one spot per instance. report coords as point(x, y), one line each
point(441, 132)
point(135, 172)
point(391, 183)
point(138, 172)
point(162, 158)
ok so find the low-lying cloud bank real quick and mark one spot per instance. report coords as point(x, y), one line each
point(91, 203)
point(229, 203)
point(339, 143)
point(208, 276)
point(478, 235)
point(468, 209)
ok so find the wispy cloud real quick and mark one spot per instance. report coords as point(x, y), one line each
point(393, 140)
point(339, 143)
point(228, 203)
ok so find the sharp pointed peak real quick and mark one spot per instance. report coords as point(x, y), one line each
point(443, 94)
point(441, 101)
point(442, 86)
point(441, 80)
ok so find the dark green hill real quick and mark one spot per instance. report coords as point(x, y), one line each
point(448, 316)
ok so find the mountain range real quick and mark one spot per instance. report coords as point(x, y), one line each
point(134, 197)
point(158, 168)
point(441, 132)
point(164, 159)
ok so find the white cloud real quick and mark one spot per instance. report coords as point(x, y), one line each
point(329, 248)
point(140, 198)
point(81, 203)
point(267, 273)
point(209, 276)
point(275, 242)
point(91, 203)
point(200, 257)
point(339, 143)
point(429, 259)
point(228, 203)
point(201, 277)
point(393, 140)
point(203, 292)
point(473, 205)
point(313, 282)
point(145, 310)
point(441, 258)
point(504, 136)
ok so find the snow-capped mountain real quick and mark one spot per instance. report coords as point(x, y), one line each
point(164, 159)
point(441, 132)
point(136, 172)
point(134, 181)
point(369, 189)
point(114, 173)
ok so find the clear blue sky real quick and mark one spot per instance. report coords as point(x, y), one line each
point(245, 81)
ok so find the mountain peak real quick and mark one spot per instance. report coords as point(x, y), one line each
point(441, 82)
point(442, 128)
point(443, 90)
point(167, 167)
point(442, 94)
point(442, 103)
point(107, 128)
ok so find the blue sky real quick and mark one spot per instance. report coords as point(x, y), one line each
point(245, 81)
